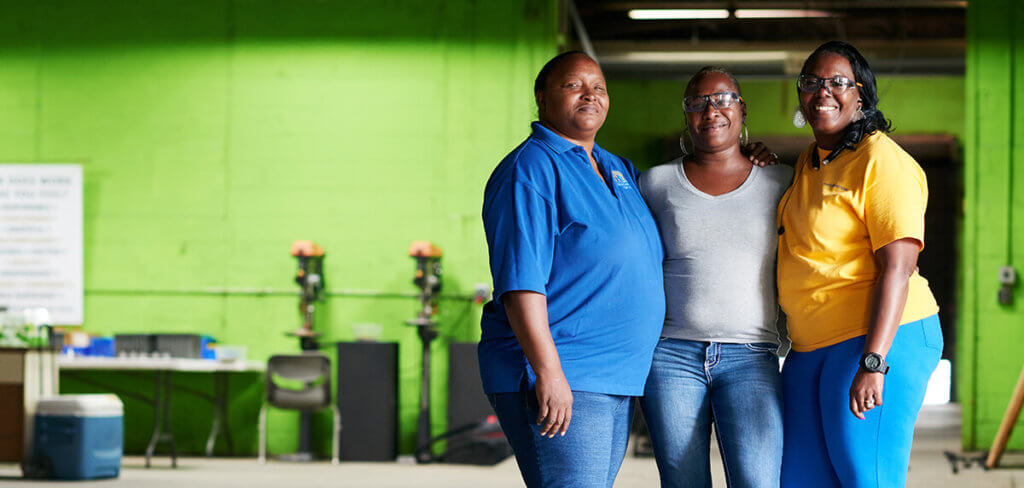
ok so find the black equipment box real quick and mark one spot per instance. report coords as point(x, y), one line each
point(368, 400)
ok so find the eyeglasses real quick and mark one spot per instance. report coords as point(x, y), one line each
point(836, 84)
point(697, 103)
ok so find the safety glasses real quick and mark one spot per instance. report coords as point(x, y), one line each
point(697, 103)
point(836, 84)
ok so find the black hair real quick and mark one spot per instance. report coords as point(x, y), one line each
point(874, 119)
point(701, 73)
point(549, 67)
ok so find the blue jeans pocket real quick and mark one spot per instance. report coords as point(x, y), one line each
point(932, 332)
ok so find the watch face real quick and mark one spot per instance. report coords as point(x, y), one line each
point(872, 362)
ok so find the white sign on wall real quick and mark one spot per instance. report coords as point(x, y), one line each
point(41, 239)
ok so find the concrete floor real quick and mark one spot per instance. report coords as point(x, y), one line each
point(937, 431)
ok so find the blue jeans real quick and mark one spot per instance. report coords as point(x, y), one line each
point(826, 446)
point(590, 453)
point(735, 386)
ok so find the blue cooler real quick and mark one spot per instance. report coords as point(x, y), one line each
point(78, 437)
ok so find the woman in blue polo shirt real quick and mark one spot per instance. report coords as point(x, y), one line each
point(578, 298)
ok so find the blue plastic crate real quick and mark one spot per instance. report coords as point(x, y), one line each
point(101, 346)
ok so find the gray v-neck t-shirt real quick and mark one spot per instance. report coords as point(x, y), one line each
point(719, 254)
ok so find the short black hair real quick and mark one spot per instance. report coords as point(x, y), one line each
point(874, 119)
point(545, 72)
point(701, 73)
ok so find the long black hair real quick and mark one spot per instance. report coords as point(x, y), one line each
point(874, 119)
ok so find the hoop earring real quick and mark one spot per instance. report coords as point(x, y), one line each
point(682, 142)
point(744, 136)
point(799, 121)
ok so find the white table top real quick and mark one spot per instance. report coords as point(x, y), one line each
point(158, 364)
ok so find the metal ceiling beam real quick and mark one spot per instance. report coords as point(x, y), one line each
point(581, 30)
point(809, 4)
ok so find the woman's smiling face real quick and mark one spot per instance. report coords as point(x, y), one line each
point(714, 129)
point(829, 111)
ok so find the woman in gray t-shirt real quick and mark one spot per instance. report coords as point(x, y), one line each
point(716, 362)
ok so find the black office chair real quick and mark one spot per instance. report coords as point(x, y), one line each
point(314, 372)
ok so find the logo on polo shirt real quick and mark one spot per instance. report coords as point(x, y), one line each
point(619, 180)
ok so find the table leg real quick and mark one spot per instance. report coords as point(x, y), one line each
point(220, 414)
point(224, 406)
point(218, 398)
point(157, 417)
point(162, 417)
point(169, 435)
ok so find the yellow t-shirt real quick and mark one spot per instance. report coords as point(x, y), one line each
point(833, 221)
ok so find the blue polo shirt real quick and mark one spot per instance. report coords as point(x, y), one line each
point(553, 227)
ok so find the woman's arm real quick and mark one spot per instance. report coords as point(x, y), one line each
point(896, 263)
point(528, 313)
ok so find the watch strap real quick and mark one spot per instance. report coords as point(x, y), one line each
point(882, 366)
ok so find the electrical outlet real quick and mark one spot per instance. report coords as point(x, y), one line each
point(1007, 276)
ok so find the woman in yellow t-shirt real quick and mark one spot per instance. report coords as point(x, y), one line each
point(861, 319)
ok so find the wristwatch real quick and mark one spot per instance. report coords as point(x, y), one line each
point(873, 362)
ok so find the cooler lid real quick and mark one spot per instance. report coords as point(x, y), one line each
point(104, 405)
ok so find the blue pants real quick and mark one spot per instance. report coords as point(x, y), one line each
point(735, 386)
point(826, 446)
point(590, 453)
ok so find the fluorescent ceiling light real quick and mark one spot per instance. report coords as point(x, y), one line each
point(674, 14)
point(786, 13)
point(721, 13)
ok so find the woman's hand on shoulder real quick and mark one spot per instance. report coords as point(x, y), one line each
point(760, 155)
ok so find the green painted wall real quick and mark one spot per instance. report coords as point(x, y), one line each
point(644, 112)
point(993, 334)
point(213, 133)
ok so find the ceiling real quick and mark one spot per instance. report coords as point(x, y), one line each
point(907, 37)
